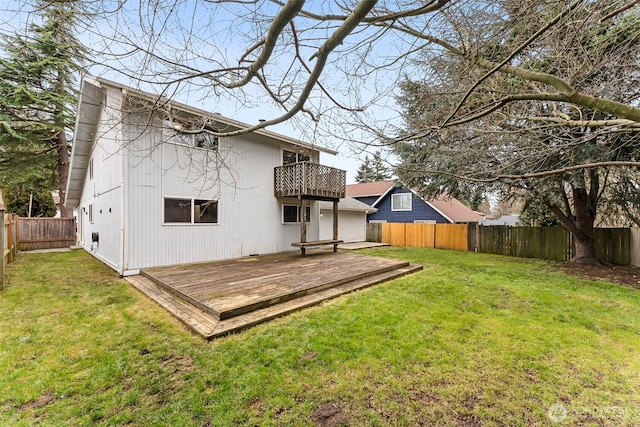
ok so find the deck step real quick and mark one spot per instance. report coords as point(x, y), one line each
point(207, 326)
point(197, 320)
point(265, 314)
point(269, 301)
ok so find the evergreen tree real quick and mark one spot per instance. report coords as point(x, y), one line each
point(18, 198)
point(536, 214)
point(364, 171)
point(372, 169)
point(37, 75)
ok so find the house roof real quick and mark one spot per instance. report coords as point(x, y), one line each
point(90, 106)
point(450, 207)
point(220, 120)
point(511, 219)
point(349, 204)
point(454, 209)
point(369, 189)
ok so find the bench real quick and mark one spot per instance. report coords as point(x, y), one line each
point(303, 245)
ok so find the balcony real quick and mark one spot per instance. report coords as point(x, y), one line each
point(309, 180)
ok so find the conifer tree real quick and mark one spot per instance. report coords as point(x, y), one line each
point(38, 74)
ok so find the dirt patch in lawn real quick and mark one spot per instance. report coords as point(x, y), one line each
point(621, 274)
point(329, 415)
point(43, 400)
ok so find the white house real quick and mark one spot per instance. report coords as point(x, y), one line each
point(155, 186)
point(352, 217)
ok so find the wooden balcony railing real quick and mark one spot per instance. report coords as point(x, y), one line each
point(309, 180)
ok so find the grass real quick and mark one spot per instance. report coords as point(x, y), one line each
point(473, 339)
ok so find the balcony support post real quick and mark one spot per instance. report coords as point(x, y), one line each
point(335, 220)
point(303, 220)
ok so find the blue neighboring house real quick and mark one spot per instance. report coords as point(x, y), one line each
point(397, 203)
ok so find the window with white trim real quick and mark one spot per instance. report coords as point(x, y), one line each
point(401, 202)
point(289, 157)
point(179, 132)
point(190, 211)
point(291, 214)
point(90, 213)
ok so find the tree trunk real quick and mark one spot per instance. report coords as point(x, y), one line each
point(584, 219)
point(580, 224)
point(63, 173)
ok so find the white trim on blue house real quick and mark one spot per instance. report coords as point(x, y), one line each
point(397, 185)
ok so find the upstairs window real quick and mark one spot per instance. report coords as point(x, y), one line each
point(184, 133)
point(401, 202)
point(289, 157)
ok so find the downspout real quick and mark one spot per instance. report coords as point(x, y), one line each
point(124, 212)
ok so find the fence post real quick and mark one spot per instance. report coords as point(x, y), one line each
point(2, 225)
point(16, 238)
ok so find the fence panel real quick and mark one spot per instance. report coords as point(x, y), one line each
point(451, 236)
point(420, 235)
point(374, 232)
point(634, 247)
point(397, 236)
point(8, 239)
point(550, 243)
point(613, 245)
point(495, 239)
point(46, 233)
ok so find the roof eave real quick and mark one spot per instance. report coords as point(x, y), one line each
point(86, 127)
point(219, 118)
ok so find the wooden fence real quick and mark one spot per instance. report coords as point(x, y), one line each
point(619, 246)
point(46, 233)
point(8, 238)
point(439, 236)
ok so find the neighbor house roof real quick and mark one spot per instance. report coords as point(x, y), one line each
point(349, 204)
point(454, 209)
point(368, 189)
point(511, 220)
point(89, 110)
point(450, 207)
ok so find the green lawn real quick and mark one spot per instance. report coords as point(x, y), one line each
point(471, 340)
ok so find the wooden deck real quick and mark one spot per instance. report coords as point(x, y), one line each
point(219, 297)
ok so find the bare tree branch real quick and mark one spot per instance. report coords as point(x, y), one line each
point(503, 177)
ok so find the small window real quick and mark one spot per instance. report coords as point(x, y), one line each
point(289, 157)
point(177, 210)
point(172, 133)
point(91, 213)
point(206, 140)
point(291, 213)
point(303, 157)
point(91, 169)
point(401, 202)
point(205, 211)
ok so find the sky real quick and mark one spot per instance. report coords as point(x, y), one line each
point(221, 38)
